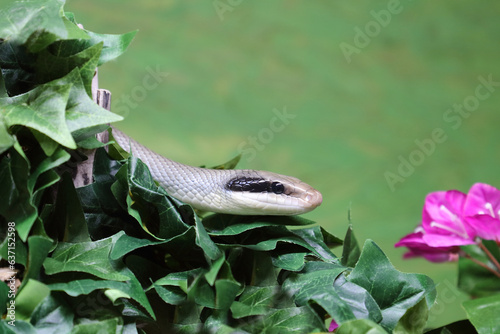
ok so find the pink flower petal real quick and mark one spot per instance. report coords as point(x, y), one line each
point(439, 240)
point(333, 326)
point(486, 227)
point(443, 214)
point(417, 247)
point(483, 199)
point(437, 256)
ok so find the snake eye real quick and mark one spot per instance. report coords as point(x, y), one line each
point(277, 187)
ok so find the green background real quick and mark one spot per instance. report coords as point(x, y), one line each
point(355, 117)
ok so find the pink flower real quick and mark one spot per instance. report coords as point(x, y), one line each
point(451, 219)
point(443, 222)
point(333, 326)
point(443, 228)
point(482, 211)
point(419, 248)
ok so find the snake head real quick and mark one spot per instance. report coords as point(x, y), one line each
point(265, 193)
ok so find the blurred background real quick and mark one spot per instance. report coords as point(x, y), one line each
point(375, 103)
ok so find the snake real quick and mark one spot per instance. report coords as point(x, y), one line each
point(228, 191)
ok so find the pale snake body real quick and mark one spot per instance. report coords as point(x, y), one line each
point(233, 191)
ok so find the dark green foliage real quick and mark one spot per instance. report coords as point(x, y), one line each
point(120, 255)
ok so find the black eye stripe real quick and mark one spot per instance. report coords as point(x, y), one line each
point(255, 185)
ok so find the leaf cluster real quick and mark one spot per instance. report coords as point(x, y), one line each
point(120, 255)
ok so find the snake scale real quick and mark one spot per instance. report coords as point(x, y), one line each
point(232, 191)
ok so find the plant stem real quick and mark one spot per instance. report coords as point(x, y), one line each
point(485, 266)
point(488, 253)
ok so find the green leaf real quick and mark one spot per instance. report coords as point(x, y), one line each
point(62, 57)
point(414, 321)
point(68, 213)
point(43, 109)
point(483, 313)
point(351, 250)
point(289, 260)
point(458, 327)
point(226, 292)
point(314, 283)
point(360, 326)
point(6, 140)
point(37, 23)
point(16, 65)
point(48, 145)
point(223, 224)
point(313, 236)
point(170, 294)
point(89, 257)
point(215, 268)
point(17, 206)
point(39, 248)
point(203, 240)
point(231, 164)
point(255, 301)
point(361, 303)
point(4, 293)
point(290, 320)
point(180, 279)
point(20, 248)
point(113, 45)
point(52, 315)
point(74, 31)
point(98, 326)
point(59, 157)
point(152, 204)
point(126, 244)
point(394, 292)
point(29, 297)
point(130, 289)
point(81, 111)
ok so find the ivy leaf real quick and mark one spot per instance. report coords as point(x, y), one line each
point(361, 303)
point(36, 23)
point(16, 204)
point(113, 325)
point(483, 313)
point(457, 327)
point(39, 248)
point(290, 320)
point(394, 292)
point(351, 250)
point(151, 201)
point(113, 45)
point(56, 62)
point(204, 242)
point(17, 68)
point(314, 283)
point(52, 315)
point(129, 289)
point(43, 109)
point(29, 297)
point(68, 213)
point(360, 326)
point(81, 111)
point(255, 300)
point(415, 319)
point(6, 140)
point(89, 257)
